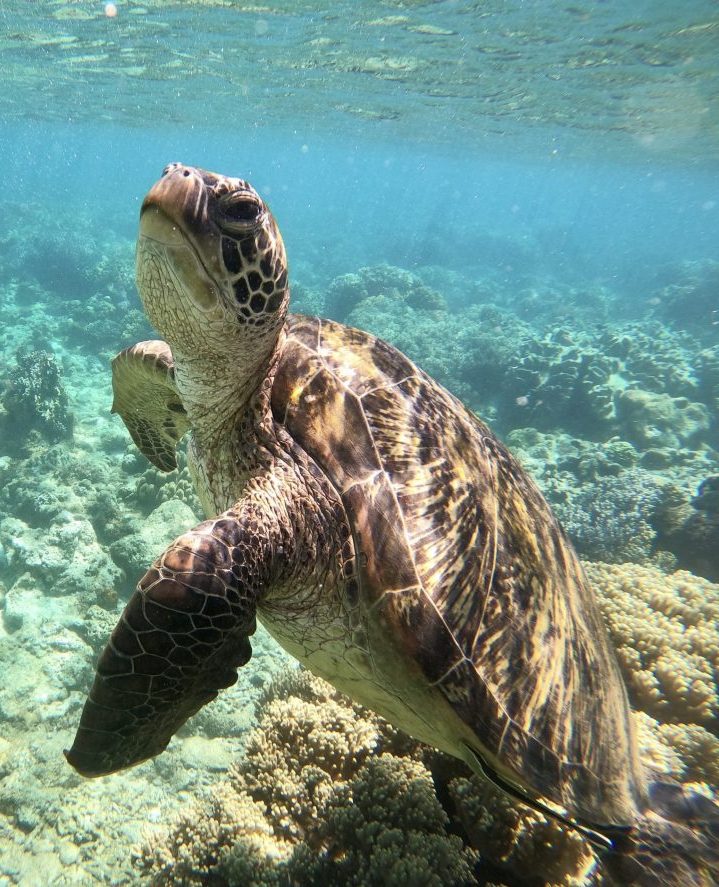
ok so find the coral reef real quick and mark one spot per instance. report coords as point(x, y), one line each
point(691, 300)
point(518, 840)
point(658, 421)
point(625, 419)
point(35, 400)
point(347, 291)
point(617, 518)
point(612, 380)
point(615, 509)
point(135, 551)
point(154, 487)
point(328, 793)
point(467, 351)
point(562, 382)
point(690, 529)
point(666, 632)
point(65, 559)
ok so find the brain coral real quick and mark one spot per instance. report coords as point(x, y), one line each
point(666, 632)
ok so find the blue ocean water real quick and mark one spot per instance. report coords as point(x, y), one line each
point(522, 196)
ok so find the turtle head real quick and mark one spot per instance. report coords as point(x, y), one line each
point(211, 265)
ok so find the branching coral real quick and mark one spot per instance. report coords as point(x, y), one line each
point(666, 632)
point(36, 400)
point(615, 519)
point(328, 793)
point(519, 839)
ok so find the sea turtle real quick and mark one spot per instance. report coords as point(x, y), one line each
point(379, 530)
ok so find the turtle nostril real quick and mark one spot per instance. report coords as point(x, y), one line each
point(186, 173)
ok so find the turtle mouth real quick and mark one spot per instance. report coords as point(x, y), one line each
point(162, 236)
point(156, 225)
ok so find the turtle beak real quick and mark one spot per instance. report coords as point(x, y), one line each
point(175, 203)
point(174, 222)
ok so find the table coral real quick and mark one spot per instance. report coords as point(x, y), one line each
point(666, 632)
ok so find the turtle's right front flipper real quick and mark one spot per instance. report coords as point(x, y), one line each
point(181, 638)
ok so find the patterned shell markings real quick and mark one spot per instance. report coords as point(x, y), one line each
point(468, 566)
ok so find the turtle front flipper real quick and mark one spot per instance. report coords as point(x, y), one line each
point(180, 639)
point(145, 397)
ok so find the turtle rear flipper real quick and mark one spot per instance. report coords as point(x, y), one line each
point(676, 844)
point(180, 639)
point(145, 397)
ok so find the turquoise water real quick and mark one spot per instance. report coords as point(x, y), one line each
point(523, 197)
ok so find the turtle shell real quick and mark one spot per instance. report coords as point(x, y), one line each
point(463, 560)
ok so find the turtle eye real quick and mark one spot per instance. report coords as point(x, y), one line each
point(239, 209)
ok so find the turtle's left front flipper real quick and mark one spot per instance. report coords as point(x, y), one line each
point(145, 397)
point(181, 638)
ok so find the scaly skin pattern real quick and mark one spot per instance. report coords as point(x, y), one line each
point(281, 540)
point(378, 529)
point(186, 628)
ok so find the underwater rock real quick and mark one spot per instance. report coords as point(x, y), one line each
point(652, 420)
point(35, 400)
point(64, 560)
